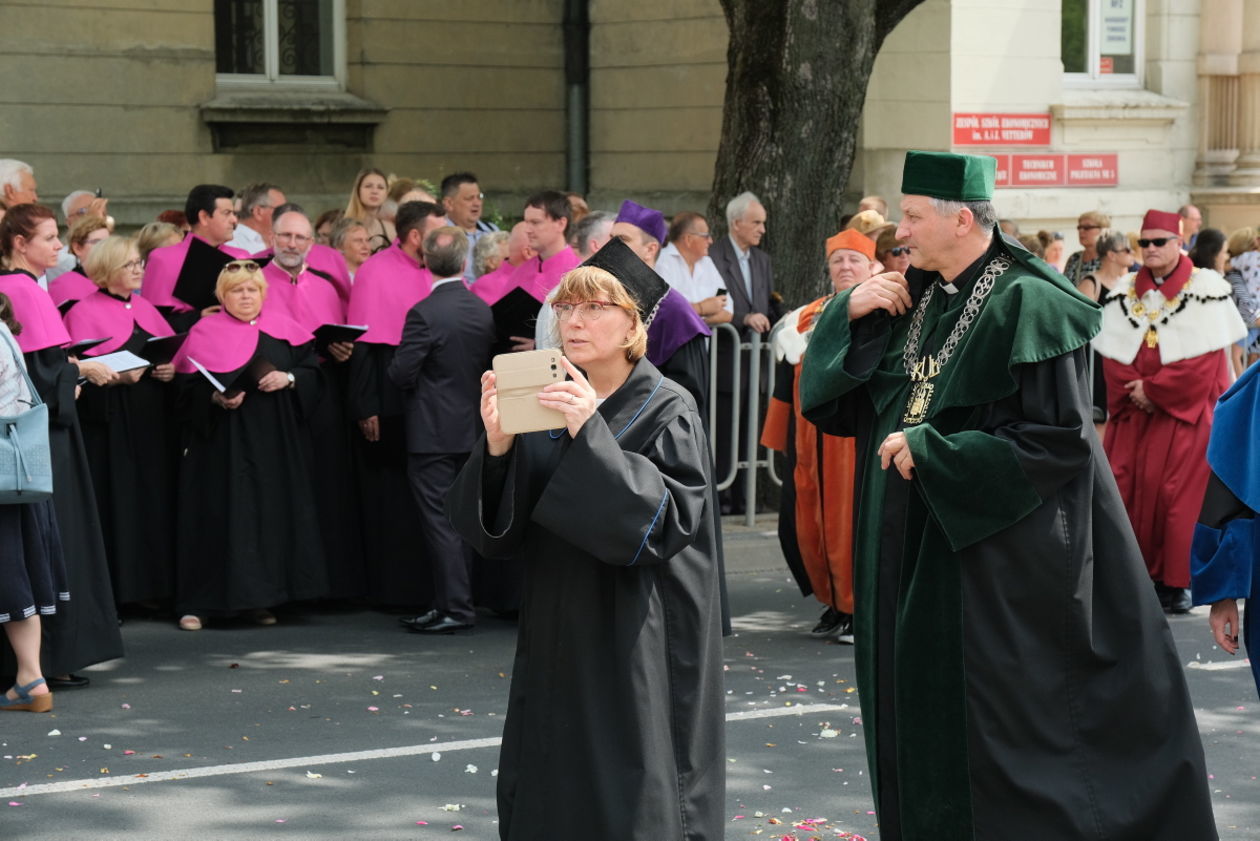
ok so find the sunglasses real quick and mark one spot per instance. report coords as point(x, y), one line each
point(899, 251)
point(241, 266)
point(1158, 242)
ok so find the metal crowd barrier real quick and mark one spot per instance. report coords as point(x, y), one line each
point(726, 340)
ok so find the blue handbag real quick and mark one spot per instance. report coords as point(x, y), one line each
point(25, 460)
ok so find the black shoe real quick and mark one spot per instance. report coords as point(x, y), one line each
point(1181, 602)
point(1165, 594)
point(828, 623)
point(442, 625)
point(68, 682)
point(844, 634)
point(420, 621)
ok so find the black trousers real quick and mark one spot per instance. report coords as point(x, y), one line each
point(450, 559)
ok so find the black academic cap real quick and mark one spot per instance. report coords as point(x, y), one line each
point(644, 285)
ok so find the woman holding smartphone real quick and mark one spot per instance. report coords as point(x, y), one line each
point(615, 722)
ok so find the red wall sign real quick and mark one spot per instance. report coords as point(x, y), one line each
point(1001, 129)
point(1026, 171)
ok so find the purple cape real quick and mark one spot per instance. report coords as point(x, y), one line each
point(101, 314)
point(162, 271)
point(387, 286)
point(675, 324)
point(310, 302)
point(222, 343)
point(71, 286)
point(35, 311)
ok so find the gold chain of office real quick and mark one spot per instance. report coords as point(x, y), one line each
point(923, 368)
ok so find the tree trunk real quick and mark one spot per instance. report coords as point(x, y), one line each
point(795, 87)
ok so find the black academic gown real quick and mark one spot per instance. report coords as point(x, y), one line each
point(248, 532)
point(129, 437)
point(393, 545)
point(84, 630)
point(1017, 677)
point(337, 485)
point(614, 726)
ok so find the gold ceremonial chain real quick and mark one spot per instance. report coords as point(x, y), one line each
point(922, 369)
point(1139, 309)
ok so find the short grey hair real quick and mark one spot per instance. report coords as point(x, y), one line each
point(337, 237)
point(486, 246)
point(445, 251)
point(738, 206)
point(983, 211)
point(1110, 240)
point(70, 199)
point(11, 173)
point(585, 229)
point(256, 194)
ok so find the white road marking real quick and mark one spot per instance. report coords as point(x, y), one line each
point(339, 758)
point(1219, 665)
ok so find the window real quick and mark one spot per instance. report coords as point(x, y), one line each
point(279, 42)
point(1101, 42)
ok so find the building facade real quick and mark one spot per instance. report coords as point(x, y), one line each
point(1115, 105)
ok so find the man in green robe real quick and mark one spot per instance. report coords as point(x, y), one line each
point(1017, 677)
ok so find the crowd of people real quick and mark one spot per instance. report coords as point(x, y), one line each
point(251, 406)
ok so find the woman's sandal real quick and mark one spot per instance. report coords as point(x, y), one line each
point(25, 701)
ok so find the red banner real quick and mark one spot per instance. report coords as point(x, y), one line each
point(1038, 171)
point(1001, 129)
point(1093, 170)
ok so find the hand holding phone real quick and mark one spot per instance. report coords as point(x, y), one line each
point(518, 380)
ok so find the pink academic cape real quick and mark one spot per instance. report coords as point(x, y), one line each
point(162, 271)
point(221, 342)
point(492, 286)
point(71, 286)
point(101, 314)
point(539, 276)
point(387, 285)
point(35, 310)
point(311, 301)
point(325, 259)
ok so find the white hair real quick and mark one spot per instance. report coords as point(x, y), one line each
point(984, 212)
point(738, 206)
point(11, 173)
point(70, 199)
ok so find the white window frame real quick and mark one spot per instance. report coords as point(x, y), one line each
point(271, 79)
point(1092, 78)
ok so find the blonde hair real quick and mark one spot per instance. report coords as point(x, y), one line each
point(155, 235)
point(106, 260)
point(355, 208)
point(84, 228)
point(1241, 241)
point(230, 280)
point(588, 283)
point(1095, 217)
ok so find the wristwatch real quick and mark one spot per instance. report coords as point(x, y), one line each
point(292, 379)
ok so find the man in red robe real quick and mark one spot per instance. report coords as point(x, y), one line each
point(1166, 330)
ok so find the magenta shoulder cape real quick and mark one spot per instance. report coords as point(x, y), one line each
point(35, 310)
point(101, 314)
point(221, 342)
point(388, 284)
point(310, 302)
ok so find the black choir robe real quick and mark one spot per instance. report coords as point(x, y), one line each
point(393, 546)
point(248, 530)
point(615, 714)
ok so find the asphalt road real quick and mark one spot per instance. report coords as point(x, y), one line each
point(339, 725)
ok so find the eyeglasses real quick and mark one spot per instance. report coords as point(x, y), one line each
point(701, 234)
point(298, 238)
point(132, 266)
point(1088, 227)
point(899, 251)
point(241, 266)
point(589, 310)
point(1158, 242)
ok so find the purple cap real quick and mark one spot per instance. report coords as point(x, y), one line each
point(643, 218)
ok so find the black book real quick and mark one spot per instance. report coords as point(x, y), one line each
point(327, 334)
point(162, 349)
point(245, 378)
point(515, 314)
point(80, 348)
point(200, 273)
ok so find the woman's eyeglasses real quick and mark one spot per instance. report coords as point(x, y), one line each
point(241, 266)
point(589, 310)
point(133, 266)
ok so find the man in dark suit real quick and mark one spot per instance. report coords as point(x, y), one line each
point(445, 347)
point(745, 268)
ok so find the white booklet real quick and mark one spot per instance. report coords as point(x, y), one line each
point(214, 381)
point(120, 361)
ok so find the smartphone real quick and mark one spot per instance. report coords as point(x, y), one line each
point(719, 292)
point(519, 377)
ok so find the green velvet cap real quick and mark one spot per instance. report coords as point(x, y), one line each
point(950, 176)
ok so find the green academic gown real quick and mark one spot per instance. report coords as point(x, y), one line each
point(1017, 677)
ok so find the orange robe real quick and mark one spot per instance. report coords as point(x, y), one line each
point(822, 476)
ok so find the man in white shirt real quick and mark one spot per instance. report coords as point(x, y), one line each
point(685, 264)
point(253, 231)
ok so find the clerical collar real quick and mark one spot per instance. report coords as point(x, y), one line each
point(968, 274)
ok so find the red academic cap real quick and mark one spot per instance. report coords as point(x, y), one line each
point(1160, 220)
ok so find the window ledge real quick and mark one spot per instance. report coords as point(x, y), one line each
point(291, 117)
point(1136, 106)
